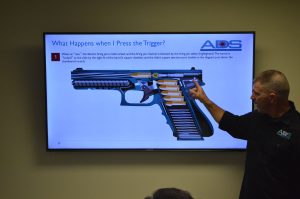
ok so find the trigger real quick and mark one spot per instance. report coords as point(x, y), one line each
point(147, 93)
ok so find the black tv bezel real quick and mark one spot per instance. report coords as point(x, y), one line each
point(139, 149)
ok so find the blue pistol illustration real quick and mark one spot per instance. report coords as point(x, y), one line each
point(169, 88)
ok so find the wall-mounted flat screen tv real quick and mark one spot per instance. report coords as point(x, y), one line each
point(130, 91)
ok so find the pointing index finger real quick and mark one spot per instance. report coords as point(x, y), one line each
point(196, 84)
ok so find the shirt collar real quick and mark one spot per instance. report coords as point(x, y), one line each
point(285, 117)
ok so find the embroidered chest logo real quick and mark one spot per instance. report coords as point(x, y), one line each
point(284, 134)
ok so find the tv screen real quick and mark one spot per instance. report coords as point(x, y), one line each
point(130, 91)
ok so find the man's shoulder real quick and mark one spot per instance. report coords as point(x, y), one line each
point(293, 109)
point(254, 114)
point(293, 121)
point(295, 116)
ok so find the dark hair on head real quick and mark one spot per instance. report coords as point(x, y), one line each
point(274, 81)
point(170, 193)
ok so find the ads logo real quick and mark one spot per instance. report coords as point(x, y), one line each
point(284, 134)
point(222, 45)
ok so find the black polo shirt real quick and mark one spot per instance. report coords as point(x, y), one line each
point(272, 169)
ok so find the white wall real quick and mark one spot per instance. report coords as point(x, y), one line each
point(29, 172)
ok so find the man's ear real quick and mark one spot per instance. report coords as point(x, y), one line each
point(272, 97)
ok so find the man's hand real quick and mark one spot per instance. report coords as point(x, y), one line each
point(198, 93)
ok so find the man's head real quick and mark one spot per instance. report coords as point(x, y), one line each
point(270, 88)
point(170, 193)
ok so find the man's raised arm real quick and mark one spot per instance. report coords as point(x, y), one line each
point(198, 93)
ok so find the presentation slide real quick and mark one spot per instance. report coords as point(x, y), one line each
point(130, 91)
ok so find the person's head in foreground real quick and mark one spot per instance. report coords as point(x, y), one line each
point(170, 193)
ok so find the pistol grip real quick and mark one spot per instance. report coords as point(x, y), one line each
point(207, 128)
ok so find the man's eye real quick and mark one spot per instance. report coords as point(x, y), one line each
point(256, 93)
